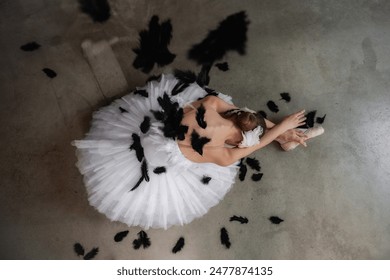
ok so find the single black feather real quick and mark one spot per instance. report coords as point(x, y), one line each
point(210, 91)
point(49, 72)
point(98, 10)
point(200, 116)
point(145, 125)
point(160, 169)
point(139, 150)
point(144, 170)
point(29, 47)
point(206, 179)
point(321, 120)
point(137, 244)
point(309, 119)
point(182, 130)
point(285, 96)
point(91, 254)
point(120, 235)
point(229, 35)
point(243, 170)
point(187, 77)
point(123, 110)
point(225, 238)
point(141, 179)
point(242, 220)
point(257, 176)
point(198, 142)
point(143, 240)
point(272, 106)
point(275, 220)
point(222, 66)
point(203, 78)
point(79, 249)
point(253, 163)
point(142, 92)
point(179, 87)
point(153, 46)
point(262, 113)
point(179, 245)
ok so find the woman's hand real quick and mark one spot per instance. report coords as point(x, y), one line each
point(294, 120)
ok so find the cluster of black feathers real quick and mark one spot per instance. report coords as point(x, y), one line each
point(143, 240)
point(80, 251)
point(254, 164)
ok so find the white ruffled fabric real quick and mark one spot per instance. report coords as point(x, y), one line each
point(251, 137)
point(110, 169)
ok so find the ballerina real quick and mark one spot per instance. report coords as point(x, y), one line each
point(168, 152)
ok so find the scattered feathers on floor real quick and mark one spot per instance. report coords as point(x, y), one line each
point(198, 142)
point(309, 119)
point(229, 35)
point(321, 120)
point(29, 47)
point(242, 172)
point(205, 179)
point(242, 220)
point(253, 163)
point(145, 125)
point(179, 245)
point(160, 170)
point(262, 113)
point(143, 240)
point(203, 78)
point(120, 235)
point(91, 254)
point(179, 87)
point(98, 10)
point(79, 249)
point(139, 150)
point(123, 110)
point(225, 238)
point(141, 92)
point(153, 46)
point(285, 96)
point(49, 72)
point(275, 220)
point(272, 106)
point(200, 116)
point(257, 176)
point(222, 66)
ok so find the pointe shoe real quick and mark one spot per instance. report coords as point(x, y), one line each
point(310, 133)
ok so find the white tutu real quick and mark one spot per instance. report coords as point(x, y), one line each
point(177, 191)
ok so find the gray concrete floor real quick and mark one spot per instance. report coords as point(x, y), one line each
point(331, 56)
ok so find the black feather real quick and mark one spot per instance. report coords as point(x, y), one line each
point(321, 120)
point(210, 91)
point(243, 170)
point(206, 179)
point(141, 179)
point(139, 150)
point(200, 116)
point(275, 220)
point(123, 110)
point(49, 72)
point(285, 96)
point(79, 249)
point(98, 10)
point(29, 47)
point(272, 106)
point(187, 77)
point(144, 170)
point(143, 240)
point(203, 78)
point(257, 177)
point(229, 35)
point(182, 130)
point(262, 113)
point(158, 115)
point(145, 125)
point(253, 163)
point(91, 254)
point(225, 238)
point(153, 46)
point(160, 169)
point(309, 119)
point(166, 103)
point(179, 87)
point(242, 220)
point(179, 245)
point(142, 92)
point(222, 66)
point(154, 78)
point(120, 235)
point(198, 142)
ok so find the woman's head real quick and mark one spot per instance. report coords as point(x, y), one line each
point(245, 119)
